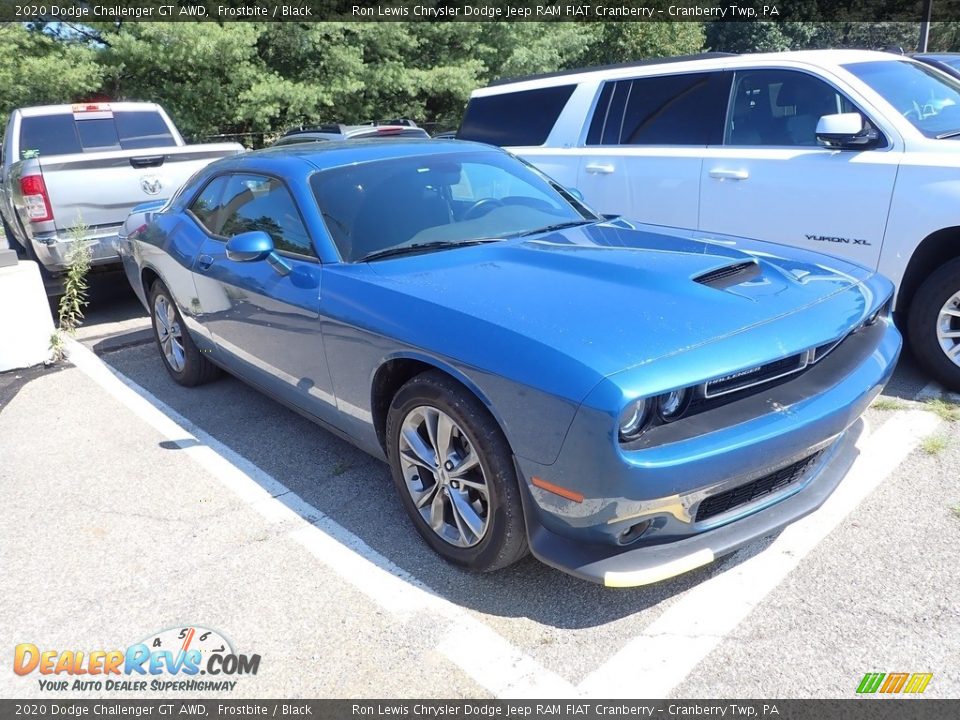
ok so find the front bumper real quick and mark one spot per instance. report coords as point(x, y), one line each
point(649, 564)
point(809, 423)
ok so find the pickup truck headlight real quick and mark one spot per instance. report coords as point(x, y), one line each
point(634, 420)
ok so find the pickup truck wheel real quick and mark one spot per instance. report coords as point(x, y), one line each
point(934, 325)
point(455, 475)
point(181, 357)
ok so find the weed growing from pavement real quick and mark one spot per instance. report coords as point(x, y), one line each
point(339, 468)
point(74, 290)
point(956, 511)
point(946, 410)
point(885, 403)
point(934, 444)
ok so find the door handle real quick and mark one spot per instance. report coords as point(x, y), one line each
point(729, 174)
point(600, 168)
point(204, 262)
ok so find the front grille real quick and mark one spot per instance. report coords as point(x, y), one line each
point(755, 489)
point(755, 375)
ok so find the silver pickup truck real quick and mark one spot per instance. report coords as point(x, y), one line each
point(88, 164)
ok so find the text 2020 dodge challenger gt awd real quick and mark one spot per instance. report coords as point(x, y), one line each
point(627, 401)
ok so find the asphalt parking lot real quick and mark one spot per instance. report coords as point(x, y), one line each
point(135, 505)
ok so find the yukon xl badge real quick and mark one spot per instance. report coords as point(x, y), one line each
point(831, 239)
point(150, 184)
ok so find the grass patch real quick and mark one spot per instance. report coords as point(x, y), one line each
point(945, 410)
point(934, 444)
point(339, 468)
point(956, 511)
point(886, 403)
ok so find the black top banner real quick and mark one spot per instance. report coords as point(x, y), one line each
point(84, 11)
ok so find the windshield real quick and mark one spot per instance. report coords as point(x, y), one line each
point(926, 97)
point(442, 199)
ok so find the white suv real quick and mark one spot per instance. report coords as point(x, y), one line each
point(852, 153)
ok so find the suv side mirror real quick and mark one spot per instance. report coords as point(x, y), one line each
point(846, 131)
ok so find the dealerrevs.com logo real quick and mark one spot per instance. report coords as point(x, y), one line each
point(169, 660)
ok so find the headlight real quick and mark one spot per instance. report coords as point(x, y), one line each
point(673, 405)
point(634, 419)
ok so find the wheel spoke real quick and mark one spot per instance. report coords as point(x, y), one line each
point(462, 509)
point(465, 465)
point(436, 513)
point(951, 312)
point(426, 496)
point(950, 334)
point(444, 436)
point(954, 352)
point(417, 451)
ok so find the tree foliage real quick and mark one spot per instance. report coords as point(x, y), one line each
point(261, 78)
point(36, 69)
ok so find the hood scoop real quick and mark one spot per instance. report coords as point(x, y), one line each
point(729, 275)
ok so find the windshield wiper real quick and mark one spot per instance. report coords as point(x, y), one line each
point(556, 226)
point(952, 133)
point(427, 246)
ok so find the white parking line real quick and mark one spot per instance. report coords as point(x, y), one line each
point(485, 656)
point(658, 660)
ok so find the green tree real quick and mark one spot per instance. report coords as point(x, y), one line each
point(36, 69)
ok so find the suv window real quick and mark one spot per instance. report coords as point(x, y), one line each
point(928, 98)
point(780, 108)
point(256, 202)
point(517, 118)
point(685, 109)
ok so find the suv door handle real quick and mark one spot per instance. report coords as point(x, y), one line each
point(204, 262)
point(729, 174)
point(600, 168)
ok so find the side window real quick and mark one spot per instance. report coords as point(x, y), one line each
point(780, 108)
point(684, 109)
point(256, 202)
point(514, 118)
point(206, 207)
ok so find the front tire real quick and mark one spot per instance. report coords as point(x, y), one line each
point(455, 475)
point(934, 325)
point(181, 357)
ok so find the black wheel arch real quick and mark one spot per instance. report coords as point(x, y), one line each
point(936, 249)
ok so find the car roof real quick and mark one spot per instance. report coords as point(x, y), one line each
point(687, 63)
point(105, 106)
point(324, 156)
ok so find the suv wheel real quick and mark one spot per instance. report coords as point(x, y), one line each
point(934, 325)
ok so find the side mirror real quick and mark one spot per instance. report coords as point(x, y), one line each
point(576, 193)
point(846, 131)
point(250, 246)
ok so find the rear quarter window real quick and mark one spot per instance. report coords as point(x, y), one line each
point(683, 109)
point(514, 118)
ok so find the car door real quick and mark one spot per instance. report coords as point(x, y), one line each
point(263, 315)
point(771, 180)
point(643, 150)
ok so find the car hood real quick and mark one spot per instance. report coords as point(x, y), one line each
point(615, 295)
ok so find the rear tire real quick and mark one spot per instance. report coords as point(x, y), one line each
point(934, 325)
point(466, 506)
point(12, 241)
point(181, 357)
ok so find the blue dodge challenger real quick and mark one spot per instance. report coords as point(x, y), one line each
point(627, 402)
